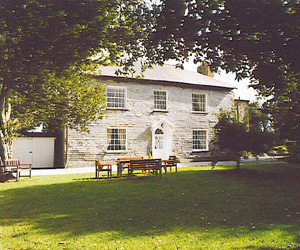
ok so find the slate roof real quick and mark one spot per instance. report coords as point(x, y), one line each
point(169, 74)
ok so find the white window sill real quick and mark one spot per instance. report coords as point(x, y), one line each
point(200, 150)
point(199, 112)
point(116, 151)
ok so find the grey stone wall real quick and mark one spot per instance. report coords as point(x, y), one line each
point(84, 148)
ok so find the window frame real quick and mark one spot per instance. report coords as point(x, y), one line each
point(206, 140)
point(159, 90)
point(158, 144)
point(125, 97)
point(205, 106)
point(108, 143)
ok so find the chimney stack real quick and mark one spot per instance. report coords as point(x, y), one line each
point(204, 69)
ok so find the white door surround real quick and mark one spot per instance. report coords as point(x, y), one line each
point(161, 139)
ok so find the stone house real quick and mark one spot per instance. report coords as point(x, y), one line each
point(168, 111)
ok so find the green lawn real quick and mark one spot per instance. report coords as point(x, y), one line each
point(197, 208)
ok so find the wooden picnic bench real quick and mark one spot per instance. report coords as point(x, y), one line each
point(170, 163)
point(150, 165)
point(123, 163)
point(25, 168)
point(14, 166)
point(106, 167)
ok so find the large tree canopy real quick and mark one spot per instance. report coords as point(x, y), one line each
point(46, 48)
point(258, 39)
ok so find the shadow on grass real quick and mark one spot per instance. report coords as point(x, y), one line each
point(192, 200)
point(288, 175)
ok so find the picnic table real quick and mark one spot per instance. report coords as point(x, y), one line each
point(123, 163)
point(146, 165)
point(138, 163)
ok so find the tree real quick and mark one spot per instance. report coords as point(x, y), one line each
point(258, 39)
point(261, 137)
point(285, 110)
point(73, 99)
point(46, 49)
point(236, 137)
point(260, 119)
point(230, 135)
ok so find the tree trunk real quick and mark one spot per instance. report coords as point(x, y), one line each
point(238, 162)
point(60, 146)
point(5, 111)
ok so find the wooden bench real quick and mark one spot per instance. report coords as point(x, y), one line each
point(151, 165)
point(172, 162)
point(103, 167)
point(123, 163)
point(14, 166)
point(25, 168)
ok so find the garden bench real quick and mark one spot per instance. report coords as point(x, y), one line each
point(25, 168)
point(170, 163)
point(14, 166)
point(151, 165)
point(106, 167)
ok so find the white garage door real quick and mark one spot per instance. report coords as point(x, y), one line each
point(35, 150)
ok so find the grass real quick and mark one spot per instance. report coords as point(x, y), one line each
point(197, 208)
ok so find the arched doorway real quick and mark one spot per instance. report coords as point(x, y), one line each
point(161, 140)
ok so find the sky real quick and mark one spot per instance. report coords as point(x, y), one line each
point(242, 90)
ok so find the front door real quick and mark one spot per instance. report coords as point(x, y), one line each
point(159, 145)
point(161, 140)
